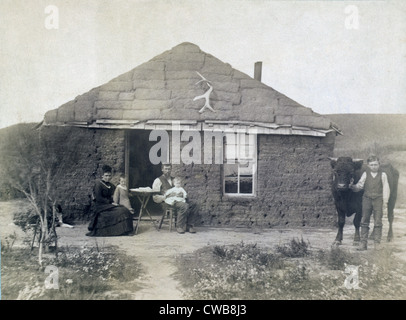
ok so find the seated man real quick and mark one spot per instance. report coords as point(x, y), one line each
point(163, 184)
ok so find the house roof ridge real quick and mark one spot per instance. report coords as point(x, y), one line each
point(172, 85)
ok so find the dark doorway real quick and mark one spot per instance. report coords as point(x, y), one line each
point(142, 172)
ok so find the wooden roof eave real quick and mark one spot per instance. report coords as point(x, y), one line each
point(205, 126)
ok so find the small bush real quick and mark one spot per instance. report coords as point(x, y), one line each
point(84, 273)
point(245, 252)
point(8, 243)
point(220, 251)
point(336, 258)
point(249, 272)
point(26, 219)
point(295, 249)
point(240, 271)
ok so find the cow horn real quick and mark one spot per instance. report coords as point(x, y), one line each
point(333, 159)
point(357, 160)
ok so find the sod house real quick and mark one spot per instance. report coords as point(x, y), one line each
point(247, 154)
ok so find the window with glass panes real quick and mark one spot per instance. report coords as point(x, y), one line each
point(240, 164)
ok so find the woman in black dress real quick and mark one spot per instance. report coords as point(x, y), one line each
point(109, 218)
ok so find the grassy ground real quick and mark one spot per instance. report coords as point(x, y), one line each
point(292, 271)
point(82, 273)
point(212, 264)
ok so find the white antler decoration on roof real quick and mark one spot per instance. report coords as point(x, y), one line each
point(206, 95)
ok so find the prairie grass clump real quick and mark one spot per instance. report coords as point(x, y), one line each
point(240, 271)
point(382, 275)
point(289, 272)
point(8, 243)
point(336, 258)
point(294, 249)
point(82, 273)
point(248, 252)
point(26, 219)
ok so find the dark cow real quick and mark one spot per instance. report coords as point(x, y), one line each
point(347, 202)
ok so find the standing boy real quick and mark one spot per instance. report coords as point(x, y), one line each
point(375, 200)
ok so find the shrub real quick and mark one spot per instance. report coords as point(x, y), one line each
point(295, 249)
point(84, 273)
point(336, 258)
point(26, 219)
point(245, 252)
point(8, 243)
point(242, 271)
point(249, 272)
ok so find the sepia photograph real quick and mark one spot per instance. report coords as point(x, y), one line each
point(203, 154)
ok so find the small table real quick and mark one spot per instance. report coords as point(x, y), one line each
point(143, 196)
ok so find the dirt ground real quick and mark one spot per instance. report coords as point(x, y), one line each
point(157, 250)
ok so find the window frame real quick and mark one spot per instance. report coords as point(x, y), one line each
point(245, 161)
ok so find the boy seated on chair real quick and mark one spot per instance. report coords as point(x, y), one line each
point(165, 183)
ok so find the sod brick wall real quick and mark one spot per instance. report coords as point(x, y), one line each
point(293, 186)
point(293, 180)
point(91, 149)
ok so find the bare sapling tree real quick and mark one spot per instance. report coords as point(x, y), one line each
point(31, 163)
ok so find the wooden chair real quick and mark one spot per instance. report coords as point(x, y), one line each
point(169, 213)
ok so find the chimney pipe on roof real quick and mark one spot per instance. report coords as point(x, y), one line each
point(258, 70)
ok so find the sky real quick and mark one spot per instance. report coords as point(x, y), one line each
point(332, 56)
